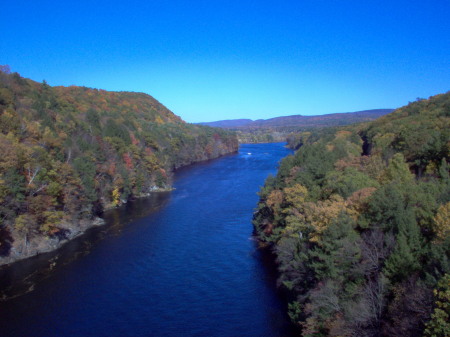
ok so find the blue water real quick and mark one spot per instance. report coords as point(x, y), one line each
point(180, 263)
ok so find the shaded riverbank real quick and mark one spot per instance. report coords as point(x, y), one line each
point(183, 264)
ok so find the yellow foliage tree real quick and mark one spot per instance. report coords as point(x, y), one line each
point(22, 222)
point(52, 219)
point(159, 120)
point(314, 217)
point(442, 222)
point(295, 198)
point(116, 196)
point(274, 201)
point(296, 195)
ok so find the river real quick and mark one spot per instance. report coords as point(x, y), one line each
point(180, 263)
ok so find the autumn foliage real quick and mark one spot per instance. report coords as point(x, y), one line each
point(68, 153)
point(359, 220)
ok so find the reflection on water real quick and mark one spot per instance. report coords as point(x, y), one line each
point(178, 263)
point(117, 219)
point(21, 277)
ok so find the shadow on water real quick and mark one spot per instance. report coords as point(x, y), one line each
point(21, 277)
point(268, 262)
point(177, 263)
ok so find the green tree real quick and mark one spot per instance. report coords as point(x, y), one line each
point(398, 170)
point(348, 181)
point(405, 259)
point(86, 170)
point(439, 325)
point(338, 254)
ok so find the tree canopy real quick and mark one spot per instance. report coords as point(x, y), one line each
point(359, 220)
point(68, 153)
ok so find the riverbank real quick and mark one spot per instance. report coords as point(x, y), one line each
point(23, 245)
point(178, 263)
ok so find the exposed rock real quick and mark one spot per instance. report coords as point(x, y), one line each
point(24, 246)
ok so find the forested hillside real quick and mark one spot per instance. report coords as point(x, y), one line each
point(278, 129)
point(359, 220)
point(68, 153)
point(334, 119)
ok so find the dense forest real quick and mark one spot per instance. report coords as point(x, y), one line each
point(69, 153)
point(359, 221)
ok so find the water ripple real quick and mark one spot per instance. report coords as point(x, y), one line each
point(185, 266)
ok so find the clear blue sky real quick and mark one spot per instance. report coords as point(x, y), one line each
point(212, 60)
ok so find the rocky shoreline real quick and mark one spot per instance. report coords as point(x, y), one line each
point(23, 247)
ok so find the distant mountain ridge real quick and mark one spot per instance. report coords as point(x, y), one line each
point(333, 119)
point(229, 123)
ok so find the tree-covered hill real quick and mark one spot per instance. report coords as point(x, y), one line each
point(359, 220)
point(278, 129)
point(334, 119)
point(68, 153)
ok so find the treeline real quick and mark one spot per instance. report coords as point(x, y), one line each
point(68, 153)
point(291, 135)
point(359, 220)
point(279, 129)
point(256, 136)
